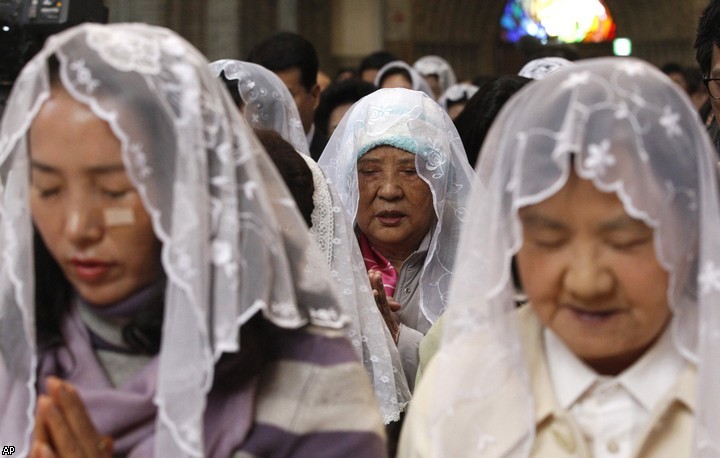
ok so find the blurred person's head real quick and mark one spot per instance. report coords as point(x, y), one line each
point(336, 100)
point(294, 59)
point(372, 63)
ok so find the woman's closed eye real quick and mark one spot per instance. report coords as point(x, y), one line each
point(115, 194)
point(547, 241)
point(367, 171)
point(628, 242)
point(46, 192)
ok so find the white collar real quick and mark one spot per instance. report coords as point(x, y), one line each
point(648, 380)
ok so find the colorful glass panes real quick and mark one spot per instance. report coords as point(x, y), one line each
point(565, 21)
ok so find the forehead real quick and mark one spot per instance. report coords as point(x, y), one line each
point(577, 200)
point(387, 154)
point(291, 77)
point(397, 80)
point(66, 131)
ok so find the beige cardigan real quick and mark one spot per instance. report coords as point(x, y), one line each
point(669, 433)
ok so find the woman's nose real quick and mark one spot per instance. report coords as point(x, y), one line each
point(586, 277)
point(84, 223)
point(390, 188)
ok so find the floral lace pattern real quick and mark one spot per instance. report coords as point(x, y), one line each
point(633, 133)
point(411, 121)
point(268, 103)
point(214, 200)
point(127, 52)
point(372, 341)
point(322, 214)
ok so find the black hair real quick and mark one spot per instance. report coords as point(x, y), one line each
point(233, 87)
point(395, 71)
point(348, 91)
point(708, 34)
point(482, 108)
point(295, 172)
point(52, 295)
point(532, 48)
point(376, 61)
point(342, 71)
point(286, 50)
point(670, 68)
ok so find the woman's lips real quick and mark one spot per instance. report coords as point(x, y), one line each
point(90, 270)
point(594, 316)
point(390, 218)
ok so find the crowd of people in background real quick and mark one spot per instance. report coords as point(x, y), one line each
point(249, 258)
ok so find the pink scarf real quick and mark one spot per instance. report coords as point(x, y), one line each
point(375, 261)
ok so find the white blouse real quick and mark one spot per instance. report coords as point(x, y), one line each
point(612, 411)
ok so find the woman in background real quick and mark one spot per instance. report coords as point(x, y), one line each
point(402, 177)
point(399, 74)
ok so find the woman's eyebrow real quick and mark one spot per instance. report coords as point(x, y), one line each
point(106, 169)
point(103, 169)
point(40, 167)
point(535, 220)
point(622, 222)
point(368, 160)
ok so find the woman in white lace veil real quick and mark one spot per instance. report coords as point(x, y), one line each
point(233, 244)
point(333, 233)
point(410, 77)
point(267, 104)
point(622, 125)
point(264, 99)
point(454, 99)
point(438, 72)
point(412, 122)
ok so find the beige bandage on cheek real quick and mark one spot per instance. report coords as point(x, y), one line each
point(119, 216)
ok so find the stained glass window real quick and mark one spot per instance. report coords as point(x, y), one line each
point(565, 21)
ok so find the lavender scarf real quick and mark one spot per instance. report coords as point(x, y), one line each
point(127, 412)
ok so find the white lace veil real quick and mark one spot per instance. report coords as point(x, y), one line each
point(233, 241)
point(541, 67)
point(268, 103)
point(436, 65)
point(334, 234)
point(457, 92)
point(412, 121)
point(418, 82)
point(631, 132)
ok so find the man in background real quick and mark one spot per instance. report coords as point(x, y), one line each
point(707, 54)
point(295, 61)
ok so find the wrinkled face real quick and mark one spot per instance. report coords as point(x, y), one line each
point(85, 207)
point(395, 207)
point(591, 275)
point(306, 101)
